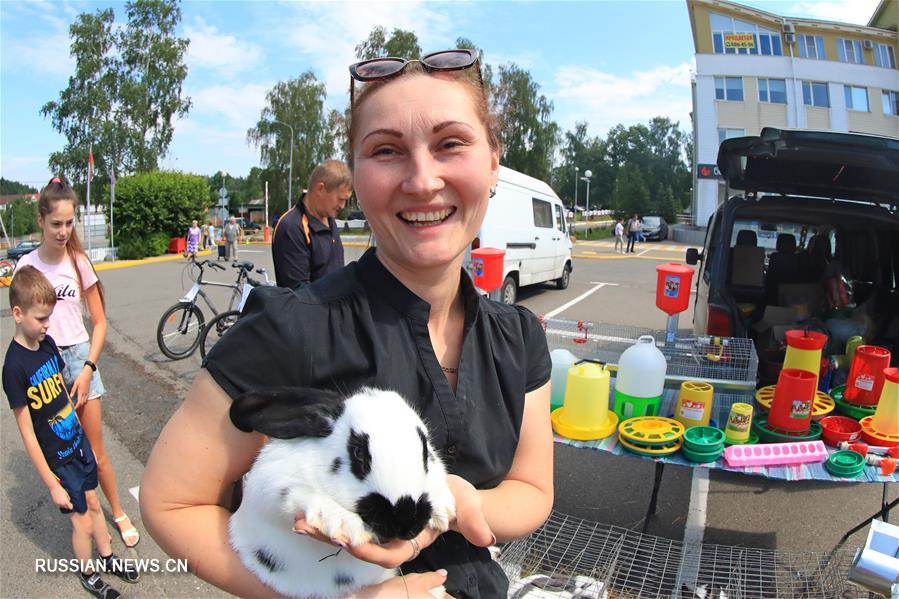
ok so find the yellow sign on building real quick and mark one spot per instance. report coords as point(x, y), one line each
point(739, 40)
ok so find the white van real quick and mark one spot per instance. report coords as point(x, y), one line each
point(527, 219)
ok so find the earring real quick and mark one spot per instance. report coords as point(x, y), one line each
point(493, 191)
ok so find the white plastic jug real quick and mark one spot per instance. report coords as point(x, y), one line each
point(641, 379)
point(562, 360)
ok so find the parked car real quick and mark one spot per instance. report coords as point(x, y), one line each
point(655, 228)
point(810, 238)
point(24, 247)
point(248, 225)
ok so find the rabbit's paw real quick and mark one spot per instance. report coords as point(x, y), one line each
point(443, 509)
point(336, 522)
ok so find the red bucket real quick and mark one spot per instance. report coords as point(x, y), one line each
point(791, 409)
point(865, 382)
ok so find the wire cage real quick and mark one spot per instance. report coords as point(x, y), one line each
point(726, 362)
point(574, 558)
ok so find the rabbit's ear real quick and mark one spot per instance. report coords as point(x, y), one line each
point(287, 412)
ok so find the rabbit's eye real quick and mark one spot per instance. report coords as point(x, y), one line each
point(358, 453)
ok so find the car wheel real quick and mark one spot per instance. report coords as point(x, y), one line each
point(509, 291)
point(563, 281)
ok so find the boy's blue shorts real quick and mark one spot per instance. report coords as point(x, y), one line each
point(78, 476)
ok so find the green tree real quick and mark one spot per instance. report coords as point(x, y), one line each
point(159, 203)
point(631, 195)
point(20, 217)
point(8, 188)
point(300, 103)
point(401, 43)
point(527, 131)
point(125, 92)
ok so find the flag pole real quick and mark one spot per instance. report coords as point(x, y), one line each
point(90, 164)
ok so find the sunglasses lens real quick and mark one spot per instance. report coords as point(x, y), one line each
point(378, 68)
point(449, 59)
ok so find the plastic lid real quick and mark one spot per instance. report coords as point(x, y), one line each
point(892, 374)
point(807, 340)
point(674, 268)
point(845, 463)
point(875, 351)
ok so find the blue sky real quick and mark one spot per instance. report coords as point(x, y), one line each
point(602, 62)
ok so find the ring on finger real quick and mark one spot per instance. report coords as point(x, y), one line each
point(416, 549)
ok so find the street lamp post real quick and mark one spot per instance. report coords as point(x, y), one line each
point(587, 174)
point(223, 195)
point(290, 173)
point(575, 193)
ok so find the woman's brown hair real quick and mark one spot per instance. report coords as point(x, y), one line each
point(467, 77)
point(59, 190)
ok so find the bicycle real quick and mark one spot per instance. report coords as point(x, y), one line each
point(179, 329)
point(219, 325)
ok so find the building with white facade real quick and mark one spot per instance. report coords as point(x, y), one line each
point(756, 69)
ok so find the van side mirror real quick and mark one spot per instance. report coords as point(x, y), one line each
point(693, 256)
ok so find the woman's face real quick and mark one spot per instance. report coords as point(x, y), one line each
point(423, 170)
point(57, 225)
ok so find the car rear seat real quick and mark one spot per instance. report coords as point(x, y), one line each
point(784, 266)
point(747, 268)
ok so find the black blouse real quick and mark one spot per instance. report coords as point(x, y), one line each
point(361, 327)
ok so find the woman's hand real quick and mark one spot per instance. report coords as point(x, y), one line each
point(470, 521)
point(426, 585)
point(390, 554)
point(82, 387)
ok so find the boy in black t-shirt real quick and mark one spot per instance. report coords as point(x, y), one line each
point(51, 432)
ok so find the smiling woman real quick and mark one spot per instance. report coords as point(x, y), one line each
point(405, 317)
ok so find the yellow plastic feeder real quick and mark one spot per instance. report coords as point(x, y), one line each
point(585, 415)
point(694, 403)
point(739, 423)
point(883, 427)
point(804, 351)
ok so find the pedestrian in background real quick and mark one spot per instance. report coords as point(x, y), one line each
point(210, 231)
point(232, 234)
point(204, 236)
point(306, 243)
point(619, 236)
point(631, 232)
point(62, 260)
point(193, 240)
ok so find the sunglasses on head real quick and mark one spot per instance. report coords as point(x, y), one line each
point(382, 69)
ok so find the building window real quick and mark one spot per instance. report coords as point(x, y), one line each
point(732, 36)
point(890, 102)
point(811, 46)
point(773, 90)
point(856, 98)
point(884, 56)
point(729, 133)
point(729, 88)
point(815, 94)
point(850, 51)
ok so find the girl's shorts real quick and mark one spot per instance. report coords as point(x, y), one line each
point(74, 357)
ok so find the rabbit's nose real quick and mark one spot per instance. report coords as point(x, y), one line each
point(400, 520)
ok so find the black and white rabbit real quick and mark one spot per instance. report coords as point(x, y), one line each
point(360, 469)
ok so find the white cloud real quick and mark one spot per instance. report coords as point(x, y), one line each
point(845, 11)
point(604, 99)
point(240, 105)
point(31, 170)
point(223, 53)
point(47, 54)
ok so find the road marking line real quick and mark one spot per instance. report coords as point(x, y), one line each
point(135, 492)
point(643, 252)
point(249, 251)
point(564, 307)
point(657, 258)
point(694, 531)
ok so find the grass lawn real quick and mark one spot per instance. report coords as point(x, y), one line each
point(595, 234)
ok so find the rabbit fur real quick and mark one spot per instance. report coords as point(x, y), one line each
point(360, 468)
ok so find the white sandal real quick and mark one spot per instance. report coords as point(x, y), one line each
point(128, 533)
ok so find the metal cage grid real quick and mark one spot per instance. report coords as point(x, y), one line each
point(575, 558)
point(726, 362)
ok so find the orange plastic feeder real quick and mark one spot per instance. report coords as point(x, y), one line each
point(791, 410)
point(865, 382)
point(487, 268)
point(673, 287)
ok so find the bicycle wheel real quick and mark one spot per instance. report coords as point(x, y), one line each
point(213, 331)
point(178, 333)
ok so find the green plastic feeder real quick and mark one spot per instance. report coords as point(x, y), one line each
point(703, 439)
point(848, 409)
point(845, 463)
point(702, 457)
point(753, 440)
point(768, 436)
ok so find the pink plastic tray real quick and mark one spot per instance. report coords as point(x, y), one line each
point(775, 454)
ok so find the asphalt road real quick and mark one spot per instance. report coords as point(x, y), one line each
point(145, 388)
